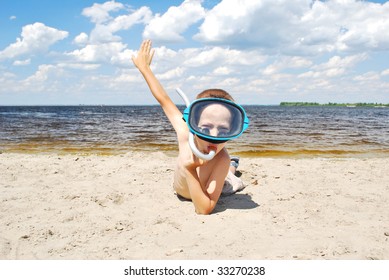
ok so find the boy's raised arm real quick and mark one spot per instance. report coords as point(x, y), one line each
point(204, 198)
point(142, 61)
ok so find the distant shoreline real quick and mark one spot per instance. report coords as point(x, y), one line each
point(379, 105)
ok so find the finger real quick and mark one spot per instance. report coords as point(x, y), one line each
point(148, 46)
point(143, 46)
point(151, 56)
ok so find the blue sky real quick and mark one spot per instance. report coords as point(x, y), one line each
point(262, 52)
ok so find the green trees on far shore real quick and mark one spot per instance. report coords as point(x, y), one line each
point(334, 104)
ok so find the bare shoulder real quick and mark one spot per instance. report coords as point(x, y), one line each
point(221, 163)
point(224, 156)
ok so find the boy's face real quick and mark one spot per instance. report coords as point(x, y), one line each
point(215, 120)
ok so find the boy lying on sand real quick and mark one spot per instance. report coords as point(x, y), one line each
point(199, 180)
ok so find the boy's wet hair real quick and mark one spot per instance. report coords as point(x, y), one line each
point(215, 93)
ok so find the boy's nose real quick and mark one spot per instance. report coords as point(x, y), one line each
point(214, 132)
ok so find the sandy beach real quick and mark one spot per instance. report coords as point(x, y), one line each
point(123, 207)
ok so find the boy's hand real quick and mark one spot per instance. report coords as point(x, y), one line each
point(194, 162)
point(145, 55)
point(190, 161)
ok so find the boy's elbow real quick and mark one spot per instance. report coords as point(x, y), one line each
point(204, 211)
point(201, 212)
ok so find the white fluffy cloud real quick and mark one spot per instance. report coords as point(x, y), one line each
point(385, 72)
point(265, 23)
point(101, 53)
point(336, 66)
point(107, 25)
point(41, 75)
point(102, 45)
point(22, 62)
point(100, 13)
point(45, 79)
point(288, 62)
point(35, 37)
point(170, 26)
point(347, 25)
point(298, 27)
point(220, 56)
point(270, 49)
point(81, 39)
point(105, 32)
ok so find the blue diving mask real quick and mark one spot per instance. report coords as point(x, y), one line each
point(216, 120)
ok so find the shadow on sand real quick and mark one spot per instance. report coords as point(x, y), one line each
point(235, 201)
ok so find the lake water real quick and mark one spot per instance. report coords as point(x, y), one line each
point(273, 131)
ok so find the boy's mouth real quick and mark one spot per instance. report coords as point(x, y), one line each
point(211, 148)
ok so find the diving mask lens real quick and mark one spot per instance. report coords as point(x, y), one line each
point(215, 119)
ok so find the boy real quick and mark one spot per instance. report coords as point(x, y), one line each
point(195, 179)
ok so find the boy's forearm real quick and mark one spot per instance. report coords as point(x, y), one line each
point(201, 201)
